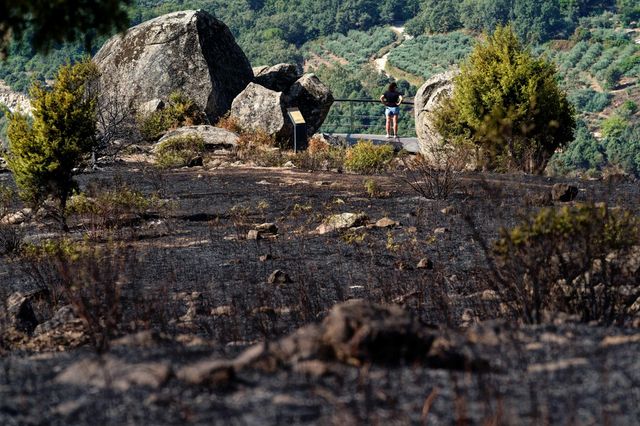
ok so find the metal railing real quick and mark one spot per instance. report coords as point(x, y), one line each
point(345, 118)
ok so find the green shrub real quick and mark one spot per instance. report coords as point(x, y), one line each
point(614, 126)
point(179, 111)
point(365, 157)
point(622, 147)
point(589, 100)
point(585, 152)
point(628, 108)
point(509, 105)
point(576, 260)
point(178, 151)
point(43, 154)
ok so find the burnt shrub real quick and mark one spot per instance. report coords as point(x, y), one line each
point(435, 176)
point(100, 209)
point(89, 277)
point(582, 260)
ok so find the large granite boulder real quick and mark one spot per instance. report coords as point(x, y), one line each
point(265, 108)
point(427, 101)
point(258, 108)
point(279, 77)
point(190, 51)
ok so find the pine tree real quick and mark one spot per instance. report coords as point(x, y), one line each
point(43, 153)
point(508, 104)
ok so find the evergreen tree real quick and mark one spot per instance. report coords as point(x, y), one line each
point(43, 154)
point(537, 21)
point(507, 103)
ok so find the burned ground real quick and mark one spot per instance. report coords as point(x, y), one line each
point(192, 275)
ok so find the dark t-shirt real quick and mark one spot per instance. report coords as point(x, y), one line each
point(391, 98)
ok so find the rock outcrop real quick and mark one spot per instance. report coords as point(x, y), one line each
point(13, 100)
point(427, 100)
point(278, 77)
point(213, 137)
point(263, 104)
point(190, 51)
point(258, 108)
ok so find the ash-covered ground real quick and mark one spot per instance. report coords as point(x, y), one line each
point(200, 282)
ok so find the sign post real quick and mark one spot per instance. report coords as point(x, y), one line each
point(299, 129)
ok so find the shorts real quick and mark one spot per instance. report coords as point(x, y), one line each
point(391, 111)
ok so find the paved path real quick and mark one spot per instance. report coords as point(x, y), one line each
point(409, 144)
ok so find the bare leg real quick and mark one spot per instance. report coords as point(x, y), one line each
point(388, 125)
point(395, 125)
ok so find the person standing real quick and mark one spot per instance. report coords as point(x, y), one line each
point(392, 100)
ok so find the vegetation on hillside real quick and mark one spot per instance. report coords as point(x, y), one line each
point(48, 23)
point(591, 41)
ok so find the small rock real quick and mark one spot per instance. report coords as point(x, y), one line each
point(278, 277)
point(425, 263)
point(342, 221)
point(489, 296)
point(312, 368)
point(112, 372)
point(18, 217)
point(289, 164)
point(265, 257)
point(64, 315)
point(263, 182)
point(214, 372)
point(563, 192)
point(214, 164)
point(385, 222)
point(449, 210)
point(253, 235)
point(267, 228)
point(441, 230)
point(222, 311)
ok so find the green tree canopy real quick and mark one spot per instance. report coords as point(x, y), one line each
point(57, 21)
point(43, 153)
point(507, 103)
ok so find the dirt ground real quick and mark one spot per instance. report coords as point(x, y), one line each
point(192, 275)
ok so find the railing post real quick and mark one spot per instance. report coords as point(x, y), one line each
point(350, 117)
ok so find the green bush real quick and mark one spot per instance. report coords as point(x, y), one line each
point(366, 158)
point(575, 260)
point(585, 152)
point(589, 100)
point(43, 154)
point(628, 108)
point(622, 147)
point(178, 151)
point(509, 105)
point(180, 111)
